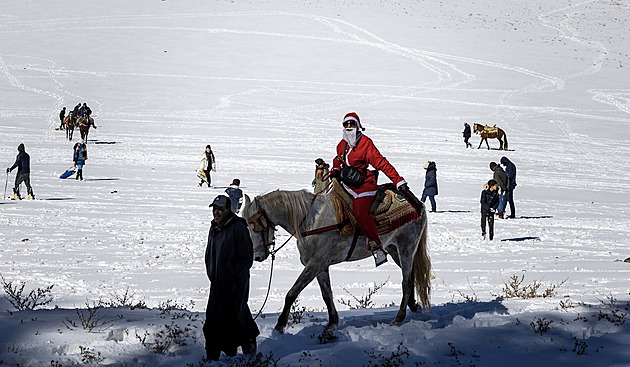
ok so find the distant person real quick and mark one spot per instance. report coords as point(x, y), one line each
point(510, 171)
point(79, 157)
point(321, 170)
point(62, 116)
point(430, 184)
point(501, 178)
point(75, 111)
point(489, 203)
point(235, 194)
point(229, 257)
point(467, 133)
point(23, 164)
point(85, 110)
point(206, 165)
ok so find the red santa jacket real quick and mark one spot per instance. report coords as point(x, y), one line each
point(363, 155)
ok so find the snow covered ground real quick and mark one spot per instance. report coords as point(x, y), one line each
point(266, 84)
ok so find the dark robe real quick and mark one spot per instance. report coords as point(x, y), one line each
point(229, 256)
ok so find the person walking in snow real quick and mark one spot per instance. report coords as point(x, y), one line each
point(206, 165)
point(501, 178)
point(355, 152)
point(235, 194)
point(79, 157)
point(489, 203)
point(229, 257)
point(62, 116)
point(510, 171)
point(467, 133)
point(430, 184)
point(23, 164)
point(321, 170)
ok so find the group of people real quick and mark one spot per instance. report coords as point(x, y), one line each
point(497, 194)
point(77, 112)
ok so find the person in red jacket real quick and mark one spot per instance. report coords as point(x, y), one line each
point(358, 151)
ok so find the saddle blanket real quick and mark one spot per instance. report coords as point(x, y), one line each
point(392, 213)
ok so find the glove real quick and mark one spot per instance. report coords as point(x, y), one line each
point(403, 187)
point(8, 170)
point(335, 173)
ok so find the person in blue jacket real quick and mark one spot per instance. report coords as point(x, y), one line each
point(510, 171)
point(430, 183)
point(79, 157)
point(23, 164)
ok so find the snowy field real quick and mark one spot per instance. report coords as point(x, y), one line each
point(266, 84)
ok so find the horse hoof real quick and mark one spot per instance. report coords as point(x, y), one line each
point(279, 330)
point(395, 323)
point(413, 307)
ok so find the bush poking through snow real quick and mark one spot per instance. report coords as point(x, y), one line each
point(126, 299)
point(14, 293)
point(89, 318)
point(541, 326)
point(396, 358)
point(513, 288)
point(297, 313)
point(88, 357)
point(366, 300)
point(165, 340)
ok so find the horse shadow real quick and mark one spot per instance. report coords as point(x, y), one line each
point(538, 217)
point(102, 179)
point(58, 199)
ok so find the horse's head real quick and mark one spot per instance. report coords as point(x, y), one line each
point(261, 230)
point(477, 128)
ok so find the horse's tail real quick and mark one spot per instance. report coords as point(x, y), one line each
point(422, 268)
point(505, 146)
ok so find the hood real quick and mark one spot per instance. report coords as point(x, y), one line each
point(505, 161)
point(431, 166)
point(21, 147)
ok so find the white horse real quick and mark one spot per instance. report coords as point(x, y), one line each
point(301, 213)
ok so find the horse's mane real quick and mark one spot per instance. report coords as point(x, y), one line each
point(296, 203)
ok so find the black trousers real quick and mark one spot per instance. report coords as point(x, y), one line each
point(26, 178)
point(208, 179)
point(490, 219)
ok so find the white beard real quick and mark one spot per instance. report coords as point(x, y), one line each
point(350, 136)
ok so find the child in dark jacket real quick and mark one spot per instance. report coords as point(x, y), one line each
point(489, 203)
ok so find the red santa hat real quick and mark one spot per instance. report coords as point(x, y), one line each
point(352, 116)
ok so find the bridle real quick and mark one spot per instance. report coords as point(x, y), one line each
point(262, 225)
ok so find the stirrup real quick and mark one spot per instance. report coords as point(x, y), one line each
point(380, 256)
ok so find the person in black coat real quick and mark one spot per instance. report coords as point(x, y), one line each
point(23, 164)
point(467, 133)
point(501, 178)
point(229, 256)
point(62, 116)
point(430, 184)
point(510, 171)
point(489, 203)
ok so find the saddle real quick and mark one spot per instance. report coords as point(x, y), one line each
point(391, 213)
point(491, 129)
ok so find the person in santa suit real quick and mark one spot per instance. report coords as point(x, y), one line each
point(358, 151)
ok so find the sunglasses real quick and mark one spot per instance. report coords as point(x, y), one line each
point(349, 124)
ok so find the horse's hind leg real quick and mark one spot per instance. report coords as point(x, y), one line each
point(324, 284)
point(306, 276)
point(393, 251)
point(407, 287)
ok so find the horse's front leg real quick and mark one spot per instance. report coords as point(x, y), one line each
point(324, 285)
point(480, 142)
point(307, 275)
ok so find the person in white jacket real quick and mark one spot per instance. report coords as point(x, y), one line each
point(206, 165)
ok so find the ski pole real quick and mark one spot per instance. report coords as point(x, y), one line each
point(6, 182)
